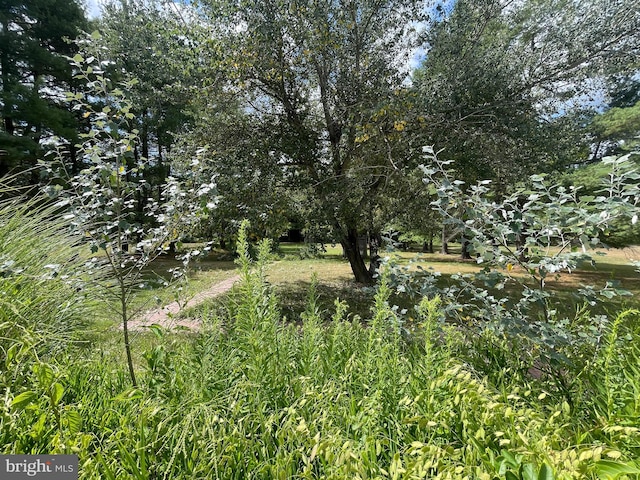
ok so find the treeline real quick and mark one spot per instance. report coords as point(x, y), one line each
point(313, 114)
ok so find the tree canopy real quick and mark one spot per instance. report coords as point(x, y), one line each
point(505, 86)
point(34, 74)
point(316, 111)
point(320, 77)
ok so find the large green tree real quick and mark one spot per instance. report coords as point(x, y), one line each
point(154, 42)
point(620, 125)
point(617, 129)
point(233, 154)
point(323, 75)
point(506, 85)
point(33, 75)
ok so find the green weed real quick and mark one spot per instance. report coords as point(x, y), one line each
point(331, 396)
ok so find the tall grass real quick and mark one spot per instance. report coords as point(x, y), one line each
point(330, 397)
point(45, 299)
point(43, 276)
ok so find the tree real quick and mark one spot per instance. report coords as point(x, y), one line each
point(625, 89)
point(236, 153)
point(505, 87)
point(34, 74)
point(616, 129)
point(103, 198)
point(505, 84)
point(509, 296)
point(321, 75)
point(620, 126)
point(621, 232)
point(152, 41)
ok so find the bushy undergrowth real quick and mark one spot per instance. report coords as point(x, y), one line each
point(43, 278)
point(327, 397)
point(46, 295)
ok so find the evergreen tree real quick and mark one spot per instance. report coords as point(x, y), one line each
point(34, 73)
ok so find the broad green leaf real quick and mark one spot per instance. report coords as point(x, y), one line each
point(44, 373)
point(609, 469)
point(545, 473)
point(528, 471)
point(57, 391)
point(24, 399)
point(74, 420)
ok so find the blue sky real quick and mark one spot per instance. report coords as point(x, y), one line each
point(93, 8)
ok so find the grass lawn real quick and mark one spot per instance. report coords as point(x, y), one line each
point(291, 276)
point(201, 276)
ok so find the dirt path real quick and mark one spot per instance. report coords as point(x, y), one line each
point(166, 316)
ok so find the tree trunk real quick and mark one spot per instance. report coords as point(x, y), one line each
point(445, 245)
point(125, 328)
point(4, 163)
point(464, 254)
point(375, 242)
point(145, 138)
point(349, 242)
point(596, 151)
point(523, 251)
point(9, 126)
point(521, 237)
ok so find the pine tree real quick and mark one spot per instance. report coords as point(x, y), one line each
point(33, 75)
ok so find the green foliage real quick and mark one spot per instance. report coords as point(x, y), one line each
point(505, 89)
point(33, 73)
point(43, 274)
point(255, 397)
point(541, 228)
point(302, 110)
point(525, 239)
point(589, 180)
point(108, 199)
point(46, 298)
point(615, 369)
point(620, 125)
point(309, 121)
point(157, 45)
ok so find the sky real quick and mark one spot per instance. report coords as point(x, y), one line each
point(93, 8)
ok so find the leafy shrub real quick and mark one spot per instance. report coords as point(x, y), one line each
point(328, 397)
